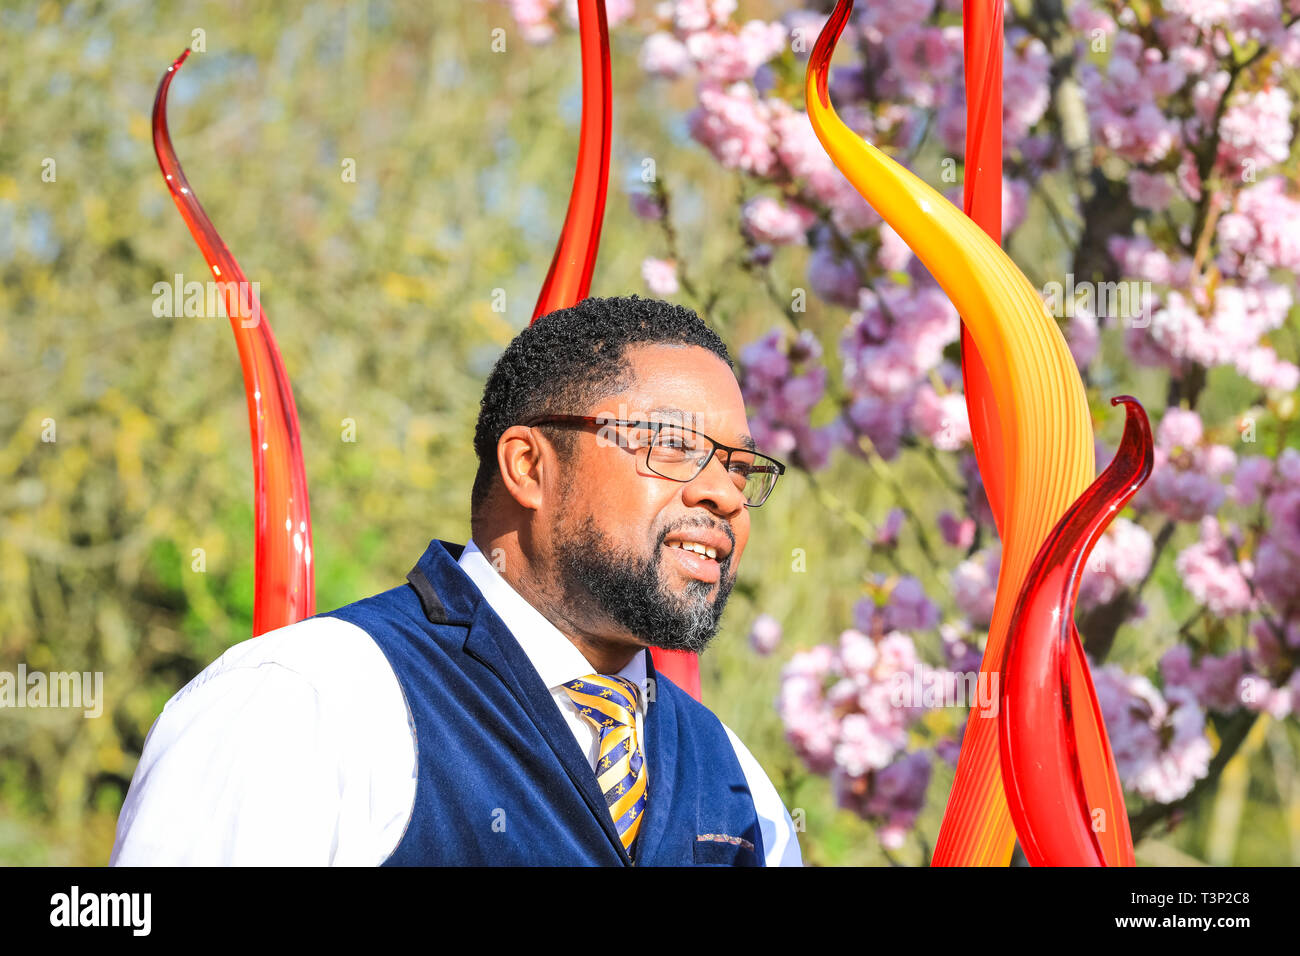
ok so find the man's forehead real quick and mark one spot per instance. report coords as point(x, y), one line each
point(685, 385)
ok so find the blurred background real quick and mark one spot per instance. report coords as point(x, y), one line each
point(124, 434)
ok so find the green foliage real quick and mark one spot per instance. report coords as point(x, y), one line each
point(379, 292)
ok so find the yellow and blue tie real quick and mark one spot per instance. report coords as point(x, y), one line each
point(609, 704)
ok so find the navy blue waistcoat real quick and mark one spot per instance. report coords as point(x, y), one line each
point(501, 779)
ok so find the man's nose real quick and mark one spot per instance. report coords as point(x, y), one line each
point(715, 489)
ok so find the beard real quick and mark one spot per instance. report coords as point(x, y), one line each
point(629, 588)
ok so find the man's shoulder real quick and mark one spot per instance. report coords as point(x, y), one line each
point(665, 687)
point(291, 747)
point(689, 711)
point(698, 716)
point(437, 593)
point(319, 683)
point(327, 653)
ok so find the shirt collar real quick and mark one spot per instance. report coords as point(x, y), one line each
point(555, 657)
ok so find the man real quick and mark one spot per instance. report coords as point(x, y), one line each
point(501, 707)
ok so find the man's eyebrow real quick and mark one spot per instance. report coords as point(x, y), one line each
point(744, 441)
point(669, 410)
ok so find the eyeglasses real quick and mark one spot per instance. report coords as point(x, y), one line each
point(682, 453)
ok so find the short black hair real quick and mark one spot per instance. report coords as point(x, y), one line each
point(570, 359)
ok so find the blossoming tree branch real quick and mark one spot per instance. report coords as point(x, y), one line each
point(1157, 142)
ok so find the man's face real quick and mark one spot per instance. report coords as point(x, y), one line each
point(617, 522)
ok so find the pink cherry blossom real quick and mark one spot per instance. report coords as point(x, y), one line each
point(1261, 365)
point(1122, 104)
point(765, 634)
point(896, 797)
point(854, 676)
point(1152, 191)
point(880, 419)
point(1278, 554)
point(833, 276)
point(941, 419)
point(1259, 695)
point(1086, 19)
point(1083, 336)
point(906, 608)
point(1253, 478)
point(974, 585)
point(894, 254)
point(692, 15)
point(1186, 478)
point(1120, 559)
point(1214, 680)
point(1178, 429)
point(782, 382)
point(804, 27)
point(1139, 258)
point(727, 56)
point(1262, 232)
point(801, 152)
point(1015, 204)
point(925, 59)
point(1026, 70)
point(768, 220)
point(660, 276)
point(1212, 575)
point(904, 329)
point(534, 18)
point(733, 124)
point(1255, 131)
point(1158, 741)
point(958, 532)
point(1225, 332)
point(961, 647)
point(662, 54)
point(810, 726)
point(847, 713)
point(878, 22)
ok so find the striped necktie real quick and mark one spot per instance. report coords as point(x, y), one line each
point(609, 705)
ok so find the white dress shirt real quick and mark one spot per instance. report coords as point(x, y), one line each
point(295, 748)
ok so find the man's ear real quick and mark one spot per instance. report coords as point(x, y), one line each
point(520, 453)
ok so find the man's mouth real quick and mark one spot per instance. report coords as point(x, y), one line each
point(695, 559)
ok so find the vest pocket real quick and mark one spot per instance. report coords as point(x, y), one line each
point(712, 851)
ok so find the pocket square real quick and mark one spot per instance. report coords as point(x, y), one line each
point(724, 838)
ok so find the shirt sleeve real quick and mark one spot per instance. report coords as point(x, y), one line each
point(780, 842)
point(238, 771)
point(257, 761)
